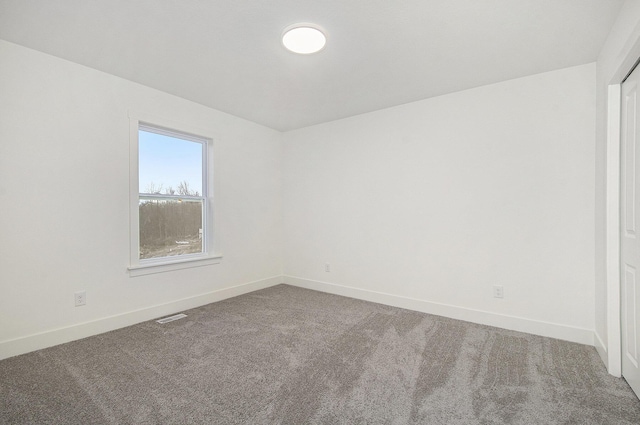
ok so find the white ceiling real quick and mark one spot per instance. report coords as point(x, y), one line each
point(227, 54)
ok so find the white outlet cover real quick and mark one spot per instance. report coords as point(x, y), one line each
point(80, 298)
point(498, 291)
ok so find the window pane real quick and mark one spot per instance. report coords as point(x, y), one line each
point(170, 227)
point(169, 165)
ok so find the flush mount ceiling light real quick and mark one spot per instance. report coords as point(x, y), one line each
point(303, 38)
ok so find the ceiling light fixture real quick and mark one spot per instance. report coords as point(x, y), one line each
point(303, 38)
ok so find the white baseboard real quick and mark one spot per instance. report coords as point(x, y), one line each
point(601, 348)
point(53, 337)
point(552, 330)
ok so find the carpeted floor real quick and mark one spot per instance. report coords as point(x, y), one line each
point(286, 355)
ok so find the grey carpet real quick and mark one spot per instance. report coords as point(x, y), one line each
point(286, 355)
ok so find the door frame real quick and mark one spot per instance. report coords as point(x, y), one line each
point(625, 63)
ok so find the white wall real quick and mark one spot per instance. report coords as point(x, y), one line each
point(424, 206)
point(430, 204)
point(619, 53)
point(64, 220)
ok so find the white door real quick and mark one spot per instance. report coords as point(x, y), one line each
point(630, 234)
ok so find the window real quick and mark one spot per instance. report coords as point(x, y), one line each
point(171, 199)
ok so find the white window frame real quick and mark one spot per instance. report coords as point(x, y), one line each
point(209, 255)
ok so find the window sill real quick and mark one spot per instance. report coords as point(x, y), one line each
point(170, 265)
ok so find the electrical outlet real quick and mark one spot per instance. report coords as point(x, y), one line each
point(327, 267)
point(81, 298)
point(498, 291)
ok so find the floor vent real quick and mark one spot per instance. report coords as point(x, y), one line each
point(171, 318)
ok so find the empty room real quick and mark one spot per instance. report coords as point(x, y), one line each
point(319, 212)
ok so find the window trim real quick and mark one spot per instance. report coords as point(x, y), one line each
point(210, 254)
